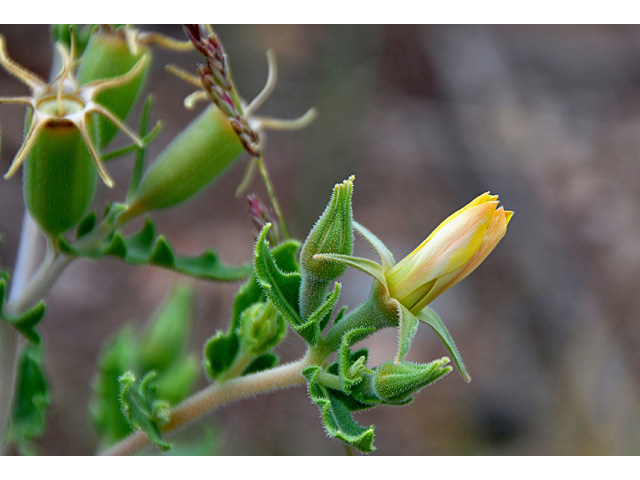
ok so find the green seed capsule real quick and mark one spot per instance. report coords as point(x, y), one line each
point(108, 55)
point(59, 178)
point(195, 158)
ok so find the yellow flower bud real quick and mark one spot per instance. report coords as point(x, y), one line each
point(454, 250)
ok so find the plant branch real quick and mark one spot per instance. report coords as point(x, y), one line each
point(10, 339)
point(220, 394)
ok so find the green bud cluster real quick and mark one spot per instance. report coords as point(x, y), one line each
point(261, 329)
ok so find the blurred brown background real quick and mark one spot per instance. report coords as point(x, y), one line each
point(426, 118)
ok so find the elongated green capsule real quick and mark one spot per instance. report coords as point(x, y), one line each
point(194, 159)
point(60, 164)
point(109, 55)
point(59, 151)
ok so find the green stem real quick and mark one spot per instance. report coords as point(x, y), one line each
point(313, 292)
point(220, 394)
point(10, 339)
point(375, 313)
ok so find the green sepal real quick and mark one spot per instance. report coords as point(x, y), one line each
point(381, 249)
point(364, 264)
point(144, 248)
point(336, 414)
point(431, 318)
point(263, 362)
point(141, 407)
point(25, 322)
point(395, 383)
point(283, 289)
point(407, 328)
point(31, 400)
point(220, 352)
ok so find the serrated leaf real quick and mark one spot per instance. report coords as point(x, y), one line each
point(141, 408)
point(220, 352)
point(336, 414)
point(263, 362)
point(283, 289)
point(351, 366)
point(31, 400)
point(118, 356)
point(323, 314)
point(144, 248)
point(431, 318)
point(284, 255)
point(25, 322)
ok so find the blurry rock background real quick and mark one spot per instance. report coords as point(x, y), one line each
point(426, 117)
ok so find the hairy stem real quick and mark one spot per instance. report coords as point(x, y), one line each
point(220, 394)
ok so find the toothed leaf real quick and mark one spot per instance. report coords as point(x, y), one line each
point(31, 400)
point(336, 414)
point(220, 352)
point(141, 407)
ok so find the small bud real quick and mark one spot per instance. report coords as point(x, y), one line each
point(260, 215)
point(396, 382)
point(261, 329)
point(332, 233)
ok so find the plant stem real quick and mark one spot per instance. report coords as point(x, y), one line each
point(10, 339)
point(264, 173)
point(220, 394)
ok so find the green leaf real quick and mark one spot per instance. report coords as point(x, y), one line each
point(263, 362)
point(176, 382)
point(323, 314)
point(117, 357)
point(336, 414)
point(141, 408)
point(31, 400)
point(169, 329)
point(407, 328)
point(144, 248)
point(352, 366)
point(220, 352)
point(431, 318)
point(25, 322)
point(282, 289)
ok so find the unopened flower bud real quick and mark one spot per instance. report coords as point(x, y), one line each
point(397, 382)
point(454, 250)
point(261, 329)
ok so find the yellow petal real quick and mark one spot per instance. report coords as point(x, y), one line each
point(495, 231)
point(454, 244)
